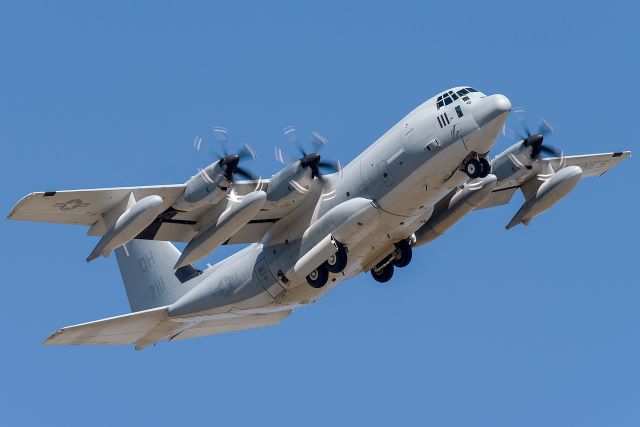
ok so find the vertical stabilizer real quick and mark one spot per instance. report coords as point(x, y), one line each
point(147, 270)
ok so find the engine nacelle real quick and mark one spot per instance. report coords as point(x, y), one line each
point(548, 194)
point(289, 185)
point(209, 186)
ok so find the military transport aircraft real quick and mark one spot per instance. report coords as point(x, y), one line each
point(306, 230)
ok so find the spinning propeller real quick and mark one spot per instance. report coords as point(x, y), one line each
point(229, 162)
point(311, 160)
point(533, 140)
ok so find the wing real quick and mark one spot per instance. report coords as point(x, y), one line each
point(591, 164)
point(87, 207)
point(83, 207)
point(148, 327)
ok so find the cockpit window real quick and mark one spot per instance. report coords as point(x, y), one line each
point(450, 96)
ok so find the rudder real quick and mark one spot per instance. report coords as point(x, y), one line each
point(146, 267)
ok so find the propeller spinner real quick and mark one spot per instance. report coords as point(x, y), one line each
point(533, 140)
point(311, 160)
point(230, 162)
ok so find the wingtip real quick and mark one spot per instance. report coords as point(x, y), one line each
point(49, 340)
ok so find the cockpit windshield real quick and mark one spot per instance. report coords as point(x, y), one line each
point(450, 96)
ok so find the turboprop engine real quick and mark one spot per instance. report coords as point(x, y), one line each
point(210, 185)
point(292, 183)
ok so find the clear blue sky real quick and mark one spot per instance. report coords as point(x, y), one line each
point(535, 326)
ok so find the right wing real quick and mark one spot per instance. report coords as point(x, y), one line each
point(591, 165)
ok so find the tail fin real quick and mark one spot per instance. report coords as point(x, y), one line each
point(146, 267)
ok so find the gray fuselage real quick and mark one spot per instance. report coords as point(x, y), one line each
point(403, 174)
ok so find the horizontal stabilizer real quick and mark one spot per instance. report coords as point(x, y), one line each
point(140, 328)
point(144, 328)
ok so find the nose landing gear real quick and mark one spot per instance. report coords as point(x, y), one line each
point(477, 167)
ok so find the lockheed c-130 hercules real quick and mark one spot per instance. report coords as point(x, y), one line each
point(306, 230)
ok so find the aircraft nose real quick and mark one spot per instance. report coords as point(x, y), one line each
point(489, 108)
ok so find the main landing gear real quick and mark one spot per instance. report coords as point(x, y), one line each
point(400, 257)
point(477, 167)
point(335, 264)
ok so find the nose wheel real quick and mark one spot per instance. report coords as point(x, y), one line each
point(477, 168)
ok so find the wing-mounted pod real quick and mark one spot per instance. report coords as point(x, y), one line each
point(211, 236)
point(452, 208)
point(125, 221)
point(543, 191)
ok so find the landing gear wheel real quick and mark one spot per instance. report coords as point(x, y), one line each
point(473, 168)
point(403, 254)
point(337, 262)
point(318, 277)
point(486, 167)
point(382, 275)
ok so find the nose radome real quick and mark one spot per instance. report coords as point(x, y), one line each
point(490, 107)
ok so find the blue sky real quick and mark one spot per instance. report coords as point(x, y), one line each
point(535, 326)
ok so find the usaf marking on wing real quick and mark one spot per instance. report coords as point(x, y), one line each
point(309, 227)
point(71, 205)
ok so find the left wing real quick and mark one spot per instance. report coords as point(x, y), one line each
point(88, 207)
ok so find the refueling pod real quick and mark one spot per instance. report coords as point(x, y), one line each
point(135, 217)
point(547, 195)
point(463, 201)
point(229, 222)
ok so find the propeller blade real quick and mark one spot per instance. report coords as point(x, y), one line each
point(222, 136)
point(244, 173)
point(546, 128)
point(247, 151)
point(550, 150)
point(332, 166)
point(197, 143)
point(521, 115)
point(292, 135)
point(511, 134)
point(318, 141)
point(282, 156)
